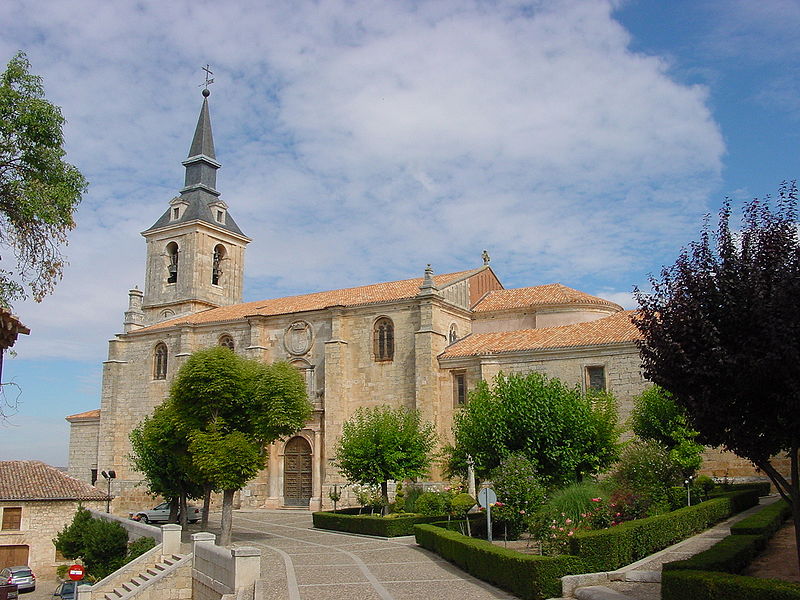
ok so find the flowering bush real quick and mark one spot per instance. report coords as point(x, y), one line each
point(520, 492)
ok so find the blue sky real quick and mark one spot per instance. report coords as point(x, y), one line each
point(577, 141)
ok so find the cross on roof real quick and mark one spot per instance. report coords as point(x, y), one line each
point(209, 79)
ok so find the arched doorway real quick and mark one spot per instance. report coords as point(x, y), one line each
point(297, 472)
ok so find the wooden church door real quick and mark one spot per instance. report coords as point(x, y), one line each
point(297, 472)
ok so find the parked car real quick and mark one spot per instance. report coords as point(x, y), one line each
point(66, 590)
point(160, 514)
point(21, 576)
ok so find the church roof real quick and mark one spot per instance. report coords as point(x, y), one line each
point(34, 480)
point(84, 416)
point(552, 293)
point(349, 297)
point(613, 329)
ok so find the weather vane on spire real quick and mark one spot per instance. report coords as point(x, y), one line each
point(209, 80)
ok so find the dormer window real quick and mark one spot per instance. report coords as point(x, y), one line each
point(176, 212)
point(220, 216)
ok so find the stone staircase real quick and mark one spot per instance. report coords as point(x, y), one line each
point(144, 579)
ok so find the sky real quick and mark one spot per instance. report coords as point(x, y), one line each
point(578, 141)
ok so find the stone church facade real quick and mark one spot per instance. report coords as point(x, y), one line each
point(419, 343)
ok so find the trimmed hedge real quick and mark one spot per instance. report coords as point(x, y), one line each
point(701, 585)
point(763, 487)
point(370, 525)
point(610, 549)
point(712, 574)
point(765, 522)
point(527, 576)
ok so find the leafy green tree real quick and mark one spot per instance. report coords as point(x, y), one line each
point(103, 545)
point(228, 461)
point(39, 192)
point(380, 444)
point(721, 332)
point(567, 434)
point(231, 409)
point(657, 417)
point(160, 451)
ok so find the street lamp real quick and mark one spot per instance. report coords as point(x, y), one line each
point(108, 476)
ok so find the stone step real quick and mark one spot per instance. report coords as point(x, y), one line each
point(599, 592)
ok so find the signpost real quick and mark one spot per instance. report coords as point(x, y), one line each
point(487, 497)
point(76, 572)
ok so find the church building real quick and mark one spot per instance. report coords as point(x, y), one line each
point(420, 343)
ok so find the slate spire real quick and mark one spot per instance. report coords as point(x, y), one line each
point(201, 165)
point(199, 199)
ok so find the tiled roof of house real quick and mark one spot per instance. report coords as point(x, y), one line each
point(84, 416)
point(552, 293)
point(34, 480)
point(613, 329)
point(357, 296)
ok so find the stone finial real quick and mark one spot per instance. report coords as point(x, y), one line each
point(134, 316)
point(485, 257)
point(428, 287)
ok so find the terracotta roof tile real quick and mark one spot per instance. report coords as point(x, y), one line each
point(616, 328)
point(552, 293)
point(84, 416)
point(357, 296)
point(34, 480)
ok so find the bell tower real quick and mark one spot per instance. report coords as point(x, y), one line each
point(195, 251)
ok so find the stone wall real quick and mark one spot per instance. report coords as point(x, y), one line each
point(83, 436)
point(41, 521)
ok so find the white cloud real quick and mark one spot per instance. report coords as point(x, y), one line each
point(362, 140)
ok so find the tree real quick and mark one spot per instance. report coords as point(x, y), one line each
point(721, 332)
point(39, 192)
point(103, 545)
point(231, 409)
point(379, 444)
point(160, 451)
point(657, 417)
point(567, 434)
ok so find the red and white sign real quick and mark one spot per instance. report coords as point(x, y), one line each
point(76, 572)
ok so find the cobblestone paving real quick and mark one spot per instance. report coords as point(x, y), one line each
point(300, 563)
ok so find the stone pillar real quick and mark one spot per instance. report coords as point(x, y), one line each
point(316, 472)
point(202, 536)
point(170, 539)
point(247, 566)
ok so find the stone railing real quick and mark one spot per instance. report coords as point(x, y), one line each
point(220, 571)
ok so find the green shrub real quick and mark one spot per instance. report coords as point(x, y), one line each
point(521, 492)
point(462, 503)
point(575, 500)
point(645, 465)
point(433, 503)
point(527, 576)
point(701, 585)
point(763, 487)
point(101, 544)
point(609, 549)
point(395, 525)
point(412, 493)
point(138, 547)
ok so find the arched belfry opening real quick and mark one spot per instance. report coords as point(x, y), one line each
point(172, 262)
point(297, 472)
point(216, 268)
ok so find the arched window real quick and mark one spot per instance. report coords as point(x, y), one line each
point(216, 268)
point(383, 339)
point(172, 265)
point(160, 362)
point(226, 341)
point(453, 336)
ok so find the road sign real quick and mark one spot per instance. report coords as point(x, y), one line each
point(486, 497)
point(76, 572)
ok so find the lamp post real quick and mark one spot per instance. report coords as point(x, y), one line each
point(108, 476)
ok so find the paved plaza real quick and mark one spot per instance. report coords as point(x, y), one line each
point(301, 563)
